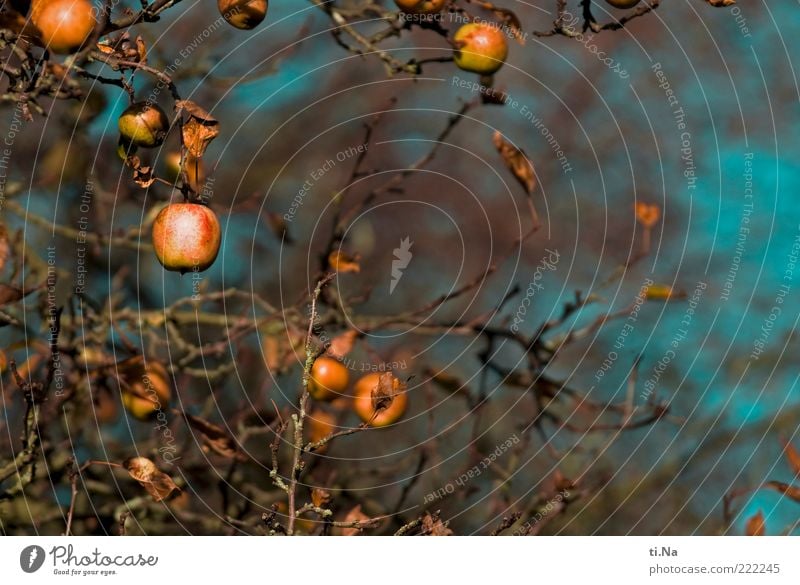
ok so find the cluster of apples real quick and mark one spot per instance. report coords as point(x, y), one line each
point(186, 236)
point(480, 47)
point(330, 380)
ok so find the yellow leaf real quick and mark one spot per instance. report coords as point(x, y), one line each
point(341, 262)
point(663, 292)
point(647, 214)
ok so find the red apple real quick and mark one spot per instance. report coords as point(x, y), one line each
point(623, 3)
point(186, 237)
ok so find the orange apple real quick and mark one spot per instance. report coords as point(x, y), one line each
point(329, 379)
point(64, 25)
point(243, 14)
point(421, 6)
point(480, 48)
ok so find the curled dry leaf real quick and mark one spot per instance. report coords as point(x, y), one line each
point(157, 483)
point(141, 50)
point(755, 525)
point(199, 130)
point(788, 490)
point(512, 23)
point(517, 161)
point(142, 174)
point(432, 525)
point(383, 394)
point(342, 344)
point(340, 261)
point(793, 457)
point(320, 497)
point(215, 437)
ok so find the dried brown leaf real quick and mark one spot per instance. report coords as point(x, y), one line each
point(141, 49)
point(157, 483)
point(215, 437)
point(755, 525)
point(512, 23)
point(320, 497)
point(721, 3)
point(197, 135)
point(788, 490)
point(195, 111)
point(432, 525)
point(517, 161)
point(383, 394)
point(793, 457)
point(199, 130)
